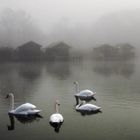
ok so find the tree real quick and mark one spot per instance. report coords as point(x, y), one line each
point(16, 27)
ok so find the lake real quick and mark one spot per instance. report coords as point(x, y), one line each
point(117, 86)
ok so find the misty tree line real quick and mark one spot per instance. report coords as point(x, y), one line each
point(16, 28)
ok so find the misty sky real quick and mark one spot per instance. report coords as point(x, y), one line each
point(85, 12)
point(78, 22)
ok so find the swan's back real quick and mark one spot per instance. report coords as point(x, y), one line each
point(56, 118)
point(85, 93)
point(88, 107)
point(25, 107)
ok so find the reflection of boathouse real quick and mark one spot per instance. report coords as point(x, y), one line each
point(29, 52)
point(6, 54)
point(124, 68)
point(60, 70)
point(57, 51)
point(30, 71)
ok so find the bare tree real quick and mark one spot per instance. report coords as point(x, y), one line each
point(16, 27)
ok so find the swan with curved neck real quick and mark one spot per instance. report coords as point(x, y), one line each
point(87, 107)
point(56, 118)
point(83, 94)
point(24, 109)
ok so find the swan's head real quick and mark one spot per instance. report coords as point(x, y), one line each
point(9, 95)
point(57, 102)
point(75, 82)
point(83, 102)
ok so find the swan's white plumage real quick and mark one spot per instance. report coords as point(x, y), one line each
point(83, 94)
point(56, 118)
point(87, 107)
point(24, 109)
point(25, 106)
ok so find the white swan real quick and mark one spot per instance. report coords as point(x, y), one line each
point(56, 118)
point(87, 107)
point(24, 109)
point(83, 94)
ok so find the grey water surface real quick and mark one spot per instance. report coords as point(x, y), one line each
point(117, 86)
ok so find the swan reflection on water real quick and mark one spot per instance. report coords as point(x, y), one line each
point(23, 119)
point(56, 126)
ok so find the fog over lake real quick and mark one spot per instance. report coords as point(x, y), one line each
point(47, 45)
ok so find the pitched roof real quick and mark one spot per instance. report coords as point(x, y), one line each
point(31, 44)
point(60, 44)
point(125, 46)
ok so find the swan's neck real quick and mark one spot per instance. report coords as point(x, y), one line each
point(76, 87)
point(77, 100)
point(12, 102)
point(56, 108)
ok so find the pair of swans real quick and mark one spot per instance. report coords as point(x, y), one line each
point(30, 109)
point(85, 95)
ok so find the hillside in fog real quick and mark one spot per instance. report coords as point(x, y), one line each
point(118, 27)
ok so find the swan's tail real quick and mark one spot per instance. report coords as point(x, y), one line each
point(35, 111)
point(99, 109)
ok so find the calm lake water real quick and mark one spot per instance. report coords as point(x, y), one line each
point(118, 93)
